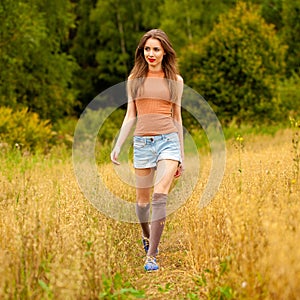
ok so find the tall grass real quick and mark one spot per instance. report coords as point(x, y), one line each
point(244, 245)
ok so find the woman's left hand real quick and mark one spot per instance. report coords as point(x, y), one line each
point(179, 171)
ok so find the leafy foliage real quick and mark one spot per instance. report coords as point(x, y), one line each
point(23, 129)
point(106, 37)
point(289, 93)
point(83, 47)
point(291, 29)
point(237, 67)
point(35, 72)
point(188, 21)
point(109, 119)
point(115, 288)
point(57, 56)
point(272, 12)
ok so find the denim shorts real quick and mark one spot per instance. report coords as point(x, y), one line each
point(148, 150)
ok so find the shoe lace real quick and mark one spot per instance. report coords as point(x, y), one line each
point(146, 240)
point(151, 259)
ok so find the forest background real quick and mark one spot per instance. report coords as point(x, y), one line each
point(56, 56)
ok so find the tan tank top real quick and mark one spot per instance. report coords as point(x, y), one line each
point(154, 107)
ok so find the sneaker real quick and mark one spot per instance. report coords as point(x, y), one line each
point(150, 264)
point(146, 245)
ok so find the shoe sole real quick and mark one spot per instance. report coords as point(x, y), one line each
point(149, 271)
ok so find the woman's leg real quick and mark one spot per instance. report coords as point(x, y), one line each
point(144, 183)
point(166, 170)
point(164, 178)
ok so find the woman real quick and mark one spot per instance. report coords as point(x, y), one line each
point(154, 103)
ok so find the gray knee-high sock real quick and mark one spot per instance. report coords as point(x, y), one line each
point(159, 202)
point(142, 212)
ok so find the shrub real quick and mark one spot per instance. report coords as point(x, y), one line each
point(237, 67)
point(24, 129)
point(89, 133)
point(110, 120)
point(289, 93)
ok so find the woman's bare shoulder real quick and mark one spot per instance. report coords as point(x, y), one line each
point(131, 76)
point(179, 78)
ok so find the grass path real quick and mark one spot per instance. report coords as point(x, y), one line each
point(55, 245)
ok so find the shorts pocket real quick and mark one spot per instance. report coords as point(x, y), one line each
point(172, 137)
point(138, 142)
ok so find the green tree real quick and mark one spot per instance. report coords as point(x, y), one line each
point(83, 46)
point(271, 10)
point(114, 21)
point(237, 66)
point(120, 25)
point(35, 72)
point(105, 40)
point(290, 34)
point(189, 20)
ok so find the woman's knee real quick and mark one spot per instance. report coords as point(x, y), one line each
point(143, 196)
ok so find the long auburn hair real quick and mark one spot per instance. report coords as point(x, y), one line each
point(169, 65)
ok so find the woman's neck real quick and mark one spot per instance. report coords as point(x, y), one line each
point(155, 71)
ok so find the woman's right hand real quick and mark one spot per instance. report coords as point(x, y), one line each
point(114, 155)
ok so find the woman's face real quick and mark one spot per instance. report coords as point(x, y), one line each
point(154, 53)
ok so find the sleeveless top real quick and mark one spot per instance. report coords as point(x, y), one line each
point(154, 107)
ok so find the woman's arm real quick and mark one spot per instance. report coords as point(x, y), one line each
point(178, 119)
point(127, 124)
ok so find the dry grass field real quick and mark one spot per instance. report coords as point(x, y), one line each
point(244, 245)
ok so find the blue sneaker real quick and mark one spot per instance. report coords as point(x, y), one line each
point(150, 264)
